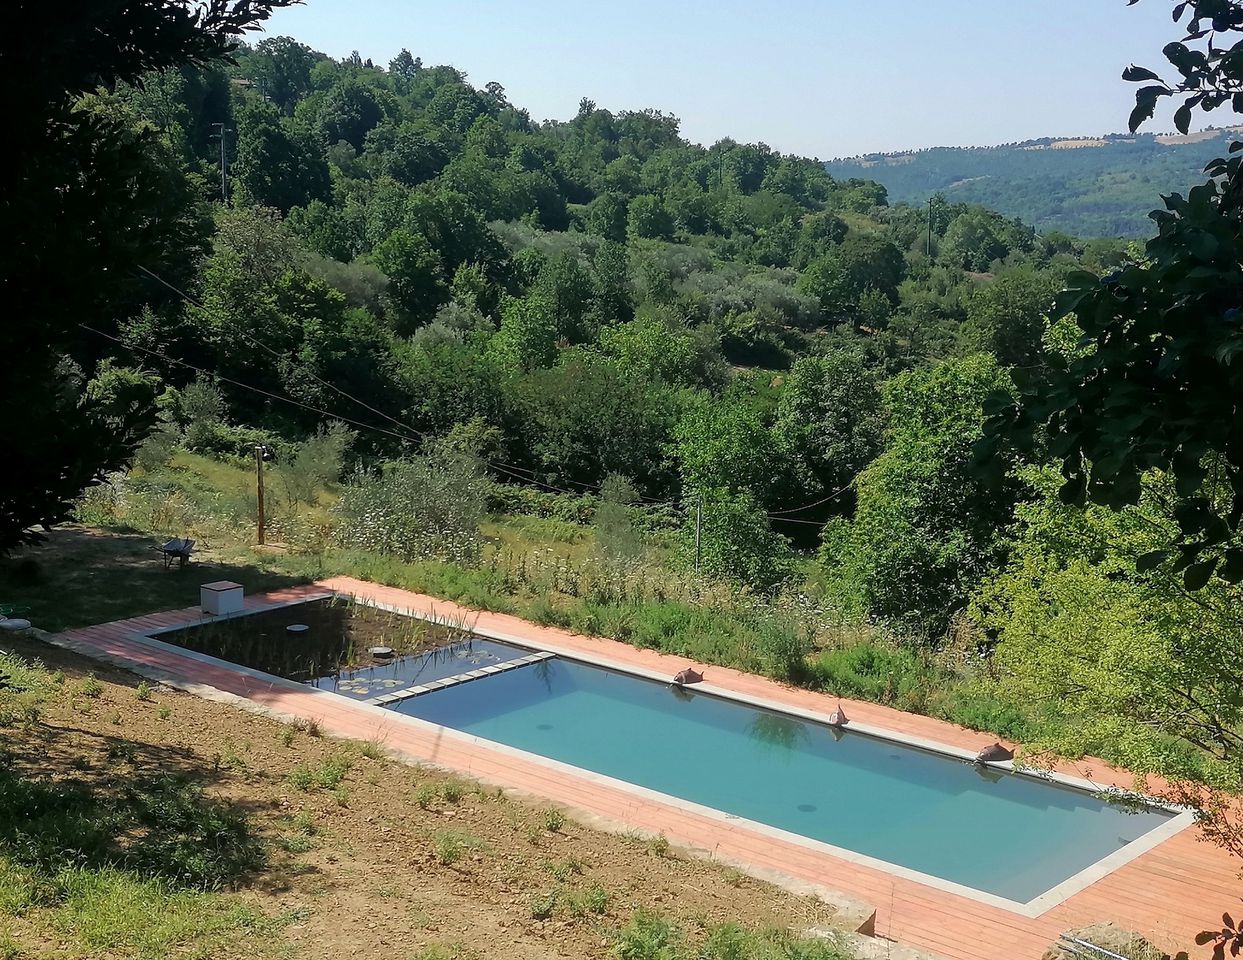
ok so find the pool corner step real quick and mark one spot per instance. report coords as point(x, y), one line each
point(406, 693)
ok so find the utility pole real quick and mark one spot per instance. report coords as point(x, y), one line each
point(224, 166)
point(699, 513)
point(930, 228)
point(261, 453)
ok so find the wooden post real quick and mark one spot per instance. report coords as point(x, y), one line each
point(259, 483)
point(699, 509)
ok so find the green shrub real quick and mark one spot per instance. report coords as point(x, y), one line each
point(543, 905)
point(595, 899)
point(316, 463)
point(566, 869)
point(515, 499)
point(618, 537)
point(326, 776)
point(449, 846)
point(648, 936)
point(735, 540)
point(545, 612)
point(783, 648)
point(416, 509)
point(225, 441)
point(451, 951)
point(870, 671)
point(979, 711)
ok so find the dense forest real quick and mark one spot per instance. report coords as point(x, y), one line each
point(1104, 188)
point(787, 401)
point(578, 301)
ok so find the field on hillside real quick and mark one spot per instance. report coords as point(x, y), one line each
point(1095, 188)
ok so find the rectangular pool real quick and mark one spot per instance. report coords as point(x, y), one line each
point(1007, 835)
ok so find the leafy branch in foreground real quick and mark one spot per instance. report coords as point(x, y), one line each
point(1154, 383)
point(1208, 77)
point(88, 199)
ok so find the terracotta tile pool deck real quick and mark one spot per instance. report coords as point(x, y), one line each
point(1169, 893)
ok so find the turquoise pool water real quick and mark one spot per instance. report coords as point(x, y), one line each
point(1012, 836)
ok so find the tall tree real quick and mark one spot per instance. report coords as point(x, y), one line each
point(277, 165)
point(829, 422)
point(284, 71)
point(926, 530)
point(80, 214)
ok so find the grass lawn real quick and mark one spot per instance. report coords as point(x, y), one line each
point(83, 576)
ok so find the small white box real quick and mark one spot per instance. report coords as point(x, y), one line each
point(221, 597)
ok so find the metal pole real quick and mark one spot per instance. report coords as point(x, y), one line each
point(699, 510)
point(930, 228)
point(259, 484)
point(224, 164)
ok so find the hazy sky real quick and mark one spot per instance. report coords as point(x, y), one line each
point(823, 78)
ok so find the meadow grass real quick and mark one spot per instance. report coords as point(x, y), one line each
point(550, 571)
point(649, 936)
point(134, 869)
point(116, 910)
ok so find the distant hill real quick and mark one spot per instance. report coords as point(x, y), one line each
point(1102, 187)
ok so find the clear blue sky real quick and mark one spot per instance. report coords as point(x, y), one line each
point(822, 78)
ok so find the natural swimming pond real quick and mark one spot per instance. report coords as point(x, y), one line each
point(1012, 836)
point(332, 652)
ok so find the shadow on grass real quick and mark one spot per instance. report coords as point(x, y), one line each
point(82, 576)
point(143, 812)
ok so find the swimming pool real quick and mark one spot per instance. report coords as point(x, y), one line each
point(1008, 836)
point(868, 796)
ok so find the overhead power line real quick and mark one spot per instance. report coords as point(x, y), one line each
point(245, 386)
point(409, 434)
point(815, 503)
point(813, 523)
point(256, 342)
point(510, 469)
point(503, 468)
